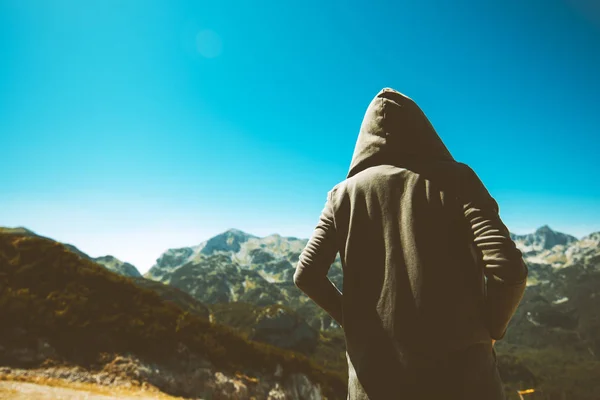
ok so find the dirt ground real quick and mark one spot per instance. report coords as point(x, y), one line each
point(64, 391)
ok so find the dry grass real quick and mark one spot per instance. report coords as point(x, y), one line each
point(7, 393)
point(142, 391)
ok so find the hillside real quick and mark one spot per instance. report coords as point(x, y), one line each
point(552, 344)
point(57, 305)
point(109, 262)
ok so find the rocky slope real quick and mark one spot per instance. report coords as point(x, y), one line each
point(238, 267)
point(128, 377)
point(563, 295)
point(544, 238)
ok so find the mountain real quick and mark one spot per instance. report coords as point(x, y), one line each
point(552, 344)
point(555, 331)
point(544, 238)
point(167, 292)
point(237, 266)
point(245, 282)
point(546, 250)
point(109, 262)
point(58, 308)
point(118, 266)
point(563, 293)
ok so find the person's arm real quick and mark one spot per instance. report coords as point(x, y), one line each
point(502, 261)
point(314, 263)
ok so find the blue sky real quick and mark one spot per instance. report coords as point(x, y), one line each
point(129, 127)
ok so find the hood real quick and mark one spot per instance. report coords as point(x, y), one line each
point(395, 131)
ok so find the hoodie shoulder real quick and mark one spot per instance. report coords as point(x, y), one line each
point(473, 188)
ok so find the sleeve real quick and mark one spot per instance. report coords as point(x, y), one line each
point(314, 263)
point(503, 263)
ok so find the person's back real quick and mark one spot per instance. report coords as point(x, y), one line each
point(416, 232)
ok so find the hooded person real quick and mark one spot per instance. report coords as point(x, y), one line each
point(431, 276)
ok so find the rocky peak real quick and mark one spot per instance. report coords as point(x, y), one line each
point(544, 230)
point(174, 257)
point(229, 241)
point(593, 237)
point(118, 266)
point(544, 238)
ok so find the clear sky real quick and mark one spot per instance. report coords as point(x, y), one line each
point(129, 127)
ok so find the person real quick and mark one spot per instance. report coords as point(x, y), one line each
point(431, 277)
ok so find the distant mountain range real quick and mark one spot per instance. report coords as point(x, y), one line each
point(557, 317)
point(239, 267)
point(245, 281)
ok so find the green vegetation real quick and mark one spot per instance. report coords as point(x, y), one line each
point(552, 372)
point(174, 295)
point(84, 310)
point(553, 342)
point(331, 344)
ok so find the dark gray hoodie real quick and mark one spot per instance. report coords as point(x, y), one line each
point(417, 233)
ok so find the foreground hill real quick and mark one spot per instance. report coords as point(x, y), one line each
point(56, 305)
point(167, 292)
point(109, 262)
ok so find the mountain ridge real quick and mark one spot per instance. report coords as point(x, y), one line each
point(552, 342)
point(238, 266)
point(543, 238)
point(109, 262)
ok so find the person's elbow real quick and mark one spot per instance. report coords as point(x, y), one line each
point(524, 270)
point(300, 278)
point(506, 265)
point(305, 278)
point(520, 271)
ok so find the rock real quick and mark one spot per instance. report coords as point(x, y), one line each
point(278, 371)
point(200, 380)
point(300, 387)
point(276, 393)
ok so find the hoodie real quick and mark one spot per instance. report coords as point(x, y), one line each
point(429, 268)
